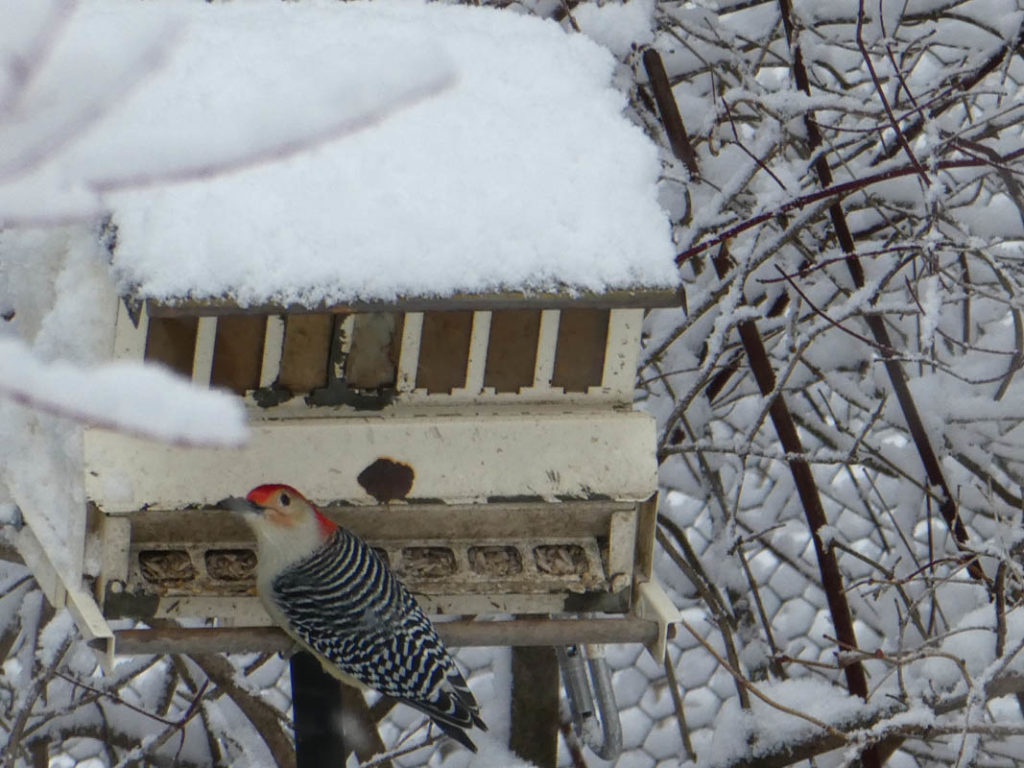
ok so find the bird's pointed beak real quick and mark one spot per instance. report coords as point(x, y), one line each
point(237, 504)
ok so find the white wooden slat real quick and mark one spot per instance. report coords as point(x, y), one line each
point(477, 362)
point(621, 547)
point(622, 351)
point(202, 361)
point(409, 358)
point(129, 339)
point(546, 344)
point(273, 344)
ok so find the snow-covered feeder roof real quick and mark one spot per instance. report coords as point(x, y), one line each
point(470, 152)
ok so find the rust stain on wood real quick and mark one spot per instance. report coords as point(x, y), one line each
point(386, 479)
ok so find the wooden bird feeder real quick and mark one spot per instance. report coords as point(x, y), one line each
point(493, 457)
point(483, 440)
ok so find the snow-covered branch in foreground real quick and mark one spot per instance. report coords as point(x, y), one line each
point(80, 117)
point(146, 401)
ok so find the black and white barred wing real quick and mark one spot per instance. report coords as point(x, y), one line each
point(346, 605)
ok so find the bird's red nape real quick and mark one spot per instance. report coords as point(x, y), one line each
point(327, 527)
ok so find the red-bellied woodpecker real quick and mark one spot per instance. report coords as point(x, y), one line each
point(335, 595)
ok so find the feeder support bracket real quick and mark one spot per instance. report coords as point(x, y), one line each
point(652, 604)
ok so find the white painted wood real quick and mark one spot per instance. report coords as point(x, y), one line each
point(90, 622)
point(52, 543)
point(652, 604)
point(65, 589)
point(273, 344)
point(547, 341)
point(345, 331)
point(245, 611)
point(532, 397)
point(465, 458)
point(129, 340)
point(115, 534)
point(202, 361)
point(477, 362)
point(409, 357)
point(621, 546)
point(41, 564)
point(622, 352)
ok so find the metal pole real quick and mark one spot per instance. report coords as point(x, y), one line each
point(316, 701)
point(534, 721)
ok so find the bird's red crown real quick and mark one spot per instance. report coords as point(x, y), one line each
point(269, 493)
point(261, 494)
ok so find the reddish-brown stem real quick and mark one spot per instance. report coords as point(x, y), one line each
point(803, 477)
point(881, 96)
point(837, 191)
point(947, 99)
point(875, 323)
point(669, 110)
point(834, 323)
point(807, 490)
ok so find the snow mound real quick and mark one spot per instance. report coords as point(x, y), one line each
point(508, 164)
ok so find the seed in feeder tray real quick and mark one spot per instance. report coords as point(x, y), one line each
point(428, 562)
point(495, 561)
point(160, 565)
point(231, 564)
point(560, 559)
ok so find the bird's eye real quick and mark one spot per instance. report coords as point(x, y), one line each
point(285, 500)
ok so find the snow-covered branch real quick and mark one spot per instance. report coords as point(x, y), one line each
point(872, 157)
point(147, 401)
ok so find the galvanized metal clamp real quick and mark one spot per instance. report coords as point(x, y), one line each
point(583, 690)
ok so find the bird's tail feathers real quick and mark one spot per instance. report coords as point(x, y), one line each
point(465, 697)
point(458, 734)
point(454, 710)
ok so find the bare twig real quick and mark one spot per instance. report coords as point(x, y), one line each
point(677, 704)
point(741, 680)
point(885, 101)
point(833, 193)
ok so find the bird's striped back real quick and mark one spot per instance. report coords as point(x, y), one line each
point(345, 603)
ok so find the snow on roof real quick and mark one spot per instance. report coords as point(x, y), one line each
point(496, 157)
